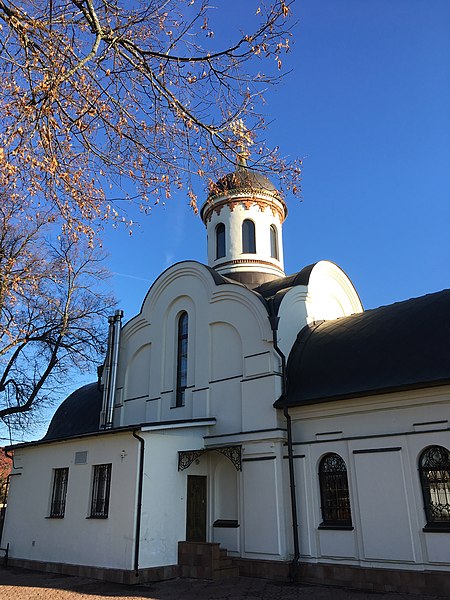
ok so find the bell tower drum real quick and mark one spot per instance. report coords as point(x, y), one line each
point(244, 214)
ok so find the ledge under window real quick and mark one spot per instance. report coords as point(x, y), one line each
point(229, 523)
point(336, 526)
point(437, 527)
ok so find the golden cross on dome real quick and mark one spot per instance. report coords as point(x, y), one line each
point(244, 141)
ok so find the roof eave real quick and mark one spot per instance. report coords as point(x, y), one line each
point(280, 403)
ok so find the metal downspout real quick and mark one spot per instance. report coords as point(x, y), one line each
point(274, 320)
point(137, 532)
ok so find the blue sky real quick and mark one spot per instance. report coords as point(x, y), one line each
point(367, 107)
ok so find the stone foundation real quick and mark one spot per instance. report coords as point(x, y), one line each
point(115, 575)
point(433, 583)
point(264, 569)
point(209, 561)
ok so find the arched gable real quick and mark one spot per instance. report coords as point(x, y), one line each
point(228, 327)
point(326, 293)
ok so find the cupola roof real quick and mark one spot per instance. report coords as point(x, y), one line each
point(243, 179)
point(243, 215)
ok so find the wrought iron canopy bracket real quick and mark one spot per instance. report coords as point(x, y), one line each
point(233, 453)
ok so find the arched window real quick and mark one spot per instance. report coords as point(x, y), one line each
point(182, 358)
point(248, 237)
point(334, 492)
point(274, 242)
point(434, 469)
point(220, 240)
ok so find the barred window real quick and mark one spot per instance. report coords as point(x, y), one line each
point(334, 492)
point(100, 491)
point(434, 469)
point(59, 491)
point(182, 358)
point(220, 241)
point(248, 237)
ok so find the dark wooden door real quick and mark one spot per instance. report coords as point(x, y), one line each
point(196, 509)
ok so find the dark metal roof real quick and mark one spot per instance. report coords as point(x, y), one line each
point(276, 289)
point(251, 279)
point(78, 414)
point(405, 345)
point(243, 178)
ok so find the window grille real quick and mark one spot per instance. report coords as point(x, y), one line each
point(58, 504)
point(220, 241)
point(182, 358)
point(248, 237)
point(100, 491)
point(434, 469)
point(334, 491)
point(274, 242)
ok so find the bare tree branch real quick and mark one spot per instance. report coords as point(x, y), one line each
point(133, 97)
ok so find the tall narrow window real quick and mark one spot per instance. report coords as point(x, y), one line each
point(58, 505)
point(274, 242)
point(334, 492)
point(100, 491)
point(182, 357)
point(434, 469)
point(248, 237)
point(220, 240)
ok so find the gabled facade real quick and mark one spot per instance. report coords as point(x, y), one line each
point(203, 434)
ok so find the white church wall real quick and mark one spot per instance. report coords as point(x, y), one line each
point(103, 542)
point(133, 381)
point(334, 545)
point(226, 352)
point(163, 517)
point(305, 512)
point(258, 396)
point(380, 439)
point(386, 529)
point(229, 338)
point(136, 384)
point(263, 502)
point(225, 503)
point(226, 403)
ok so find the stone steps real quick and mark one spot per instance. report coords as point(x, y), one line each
point(205, 561)
point(224, 568)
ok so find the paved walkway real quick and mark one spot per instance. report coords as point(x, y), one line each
point(18, 584)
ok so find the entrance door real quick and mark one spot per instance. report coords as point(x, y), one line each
point(196, 509)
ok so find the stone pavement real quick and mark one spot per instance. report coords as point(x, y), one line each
point(19, 584)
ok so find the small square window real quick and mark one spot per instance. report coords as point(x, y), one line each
point(59, 491)
point(100, 491)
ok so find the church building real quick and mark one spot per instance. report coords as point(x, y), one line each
point(249, 422)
